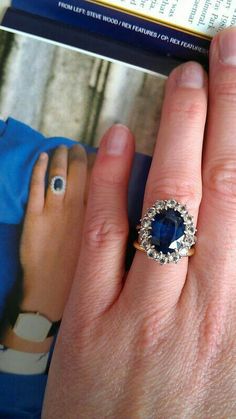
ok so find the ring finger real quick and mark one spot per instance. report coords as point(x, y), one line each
point(175, 173)
point(57, 178)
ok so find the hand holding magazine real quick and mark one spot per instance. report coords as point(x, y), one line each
point(42, 216)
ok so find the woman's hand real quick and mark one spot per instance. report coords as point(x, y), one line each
point(52, 232)
point(162, 344)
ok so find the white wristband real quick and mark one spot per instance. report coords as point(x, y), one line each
point(16, 362)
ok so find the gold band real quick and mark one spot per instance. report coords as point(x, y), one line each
point(138, 247)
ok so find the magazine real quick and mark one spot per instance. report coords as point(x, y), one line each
point(86, 41)
point(161, 33)
point(52, 96)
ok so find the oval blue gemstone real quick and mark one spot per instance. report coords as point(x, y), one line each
point(58, 184)
point(167, 227)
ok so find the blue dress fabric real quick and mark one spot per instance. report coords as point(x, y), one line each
point(20, 146)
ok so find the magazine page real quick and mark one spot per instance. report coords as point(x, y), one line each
point(50, 97)
point(3, 7)
point(154, 26)
point(173, 28)
point(84, 36)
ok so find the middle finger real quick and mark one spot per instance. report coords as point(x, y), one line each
point(217, 216)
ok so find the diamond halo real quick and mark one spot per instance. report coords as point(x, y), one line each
point(58, 185)
point(181, 245)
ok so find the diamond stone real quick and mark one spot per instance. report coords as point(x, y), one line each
point(146, 223)
point(176, 258)
point(188, 220)
point(182, 209)
point(171, 203)
point(191, 229)
point(160, 205)
point(162, 260)
point(146, 244)
point(183, 251)
point(151, 253)
point(151, 212)
point(189, 241)
point(144, 234)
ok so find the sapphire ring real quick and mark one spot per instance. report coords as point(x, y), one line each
point(58, 185)
point(167, 232)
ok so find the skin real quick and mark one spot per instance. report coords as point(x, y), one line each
point(162, 343)
point(52, 229)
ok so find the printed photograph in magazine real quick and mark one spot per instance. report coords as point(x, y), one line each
point(55, 106)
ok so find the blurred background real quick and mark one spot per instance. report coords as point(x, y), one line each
point(62, 92)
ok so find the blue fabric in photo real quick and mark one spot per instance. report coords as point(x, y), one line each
point(20, 147)
point(21, 396)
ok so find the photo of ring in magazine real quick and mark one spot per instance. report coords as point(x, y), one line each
point(55, 105)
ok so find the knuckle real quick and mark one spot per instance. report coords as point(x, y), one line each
point(220, 178)
point(78, 155)
point(73, 205)
point(58, 170)
point(225, 91)
point(36, 181)
point(149, 333)
point(214, 330)
point(186, 110)
point(56, 207)
point(73, 340)
point(104, 231)
point(76, 160)
point(183, 191)
point(101, 179)
point(153, 333)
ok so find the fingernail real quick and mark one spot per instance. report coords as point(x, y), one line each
point(227, 44)
point(43, 156)
point(117, 140)
point(78, 147)
point(78, 151)
point(191, 75)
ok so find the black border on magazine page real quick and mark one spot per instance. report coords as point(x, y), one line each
point(87, 41)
